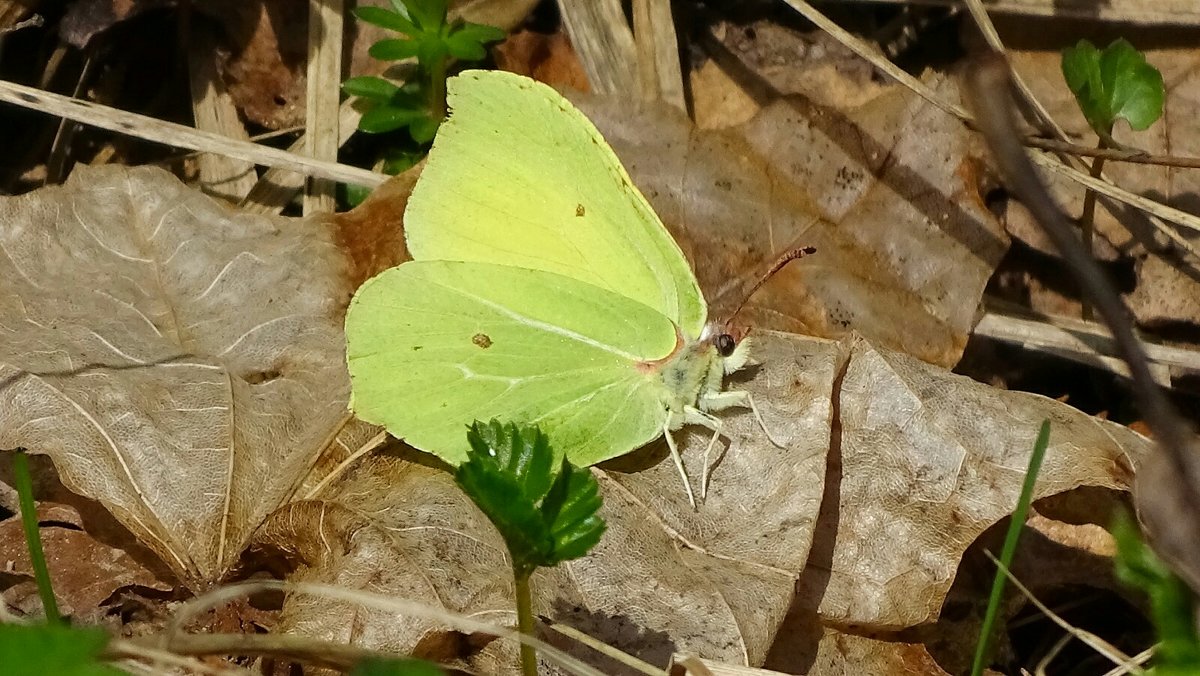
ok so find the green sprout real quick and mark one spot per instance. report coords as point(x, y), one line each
point(1110, 85)
point(1171, 612)
point(419, 105)
point(1114, 84)
point(546, 514)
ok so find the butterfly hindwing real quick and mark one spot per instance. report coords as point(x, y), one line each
point(444, 343)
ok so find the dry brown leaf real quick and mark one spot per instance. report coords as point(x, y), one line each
point(180, 363)
point(265, 69)
point(885, 191)
point(814, 650)
point(664, 578)
point(85, 571)
point(718, 101)
point(927, 461)
point(785, 61)
point(546, 58)
point(85, 19)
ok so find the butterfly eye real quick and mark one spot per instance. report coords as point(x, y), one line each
point(725, 344)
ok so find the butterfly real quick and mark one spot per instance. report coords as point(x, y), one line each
point(543, 290)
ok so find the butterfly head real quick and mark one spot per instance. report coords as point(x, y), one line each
point(730, 342)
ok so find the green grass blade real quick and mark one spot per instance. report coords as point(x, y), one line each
point(33, 538)
point(983, 647)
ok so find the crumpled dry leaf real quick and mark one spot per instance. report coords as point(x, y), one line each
point(885, 191)
point(928, 461)
point(664, 578)
point(180, 363)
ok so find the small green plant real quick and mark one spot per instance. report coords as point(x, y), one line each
point(1114, 84)
point(546, 511)
point(53, 648)
point(1110, 85)
point(1015, 525)
point(420, 104)
point(1170, 599)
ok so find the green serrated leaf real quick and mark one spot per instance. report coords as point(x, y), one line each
point(384, 118)
point(466, 41)
point(353, 195)
point(430, 15)
point(395, 49)
point(1116, 83)
point(525, 457)
point(37, 650)
point(371, 88)
point(396, 160)
point(383, 18)
point(376, 666)
point(516, 517)
point(571, 507)
point(544, 517)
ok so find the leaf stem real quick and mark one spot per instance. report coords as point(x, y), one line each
point(33, 538)
point(1087, 220)
point(525, 620)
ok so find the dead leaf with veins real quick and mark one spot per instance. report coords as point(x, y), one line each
point(181, 363)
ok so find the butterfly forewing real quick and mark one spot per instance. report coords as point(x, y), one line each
point(518, 176)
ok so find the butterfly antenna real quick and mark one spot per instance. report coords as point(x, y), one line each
point(787, 257)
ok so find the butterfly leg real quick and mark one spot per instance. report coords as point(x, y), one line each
point(687, 484)
point(694, 416)
point(719, 401)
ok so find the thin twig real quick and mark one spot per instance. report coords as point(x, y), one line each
point(1131, 198)
point(984, 23)
point(1112, 154)
point(600, 646)
point(132, 649)
point(321, 114)
point(374, 442)
point(178, 135)
point(1093, 641)
point(185, 612)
